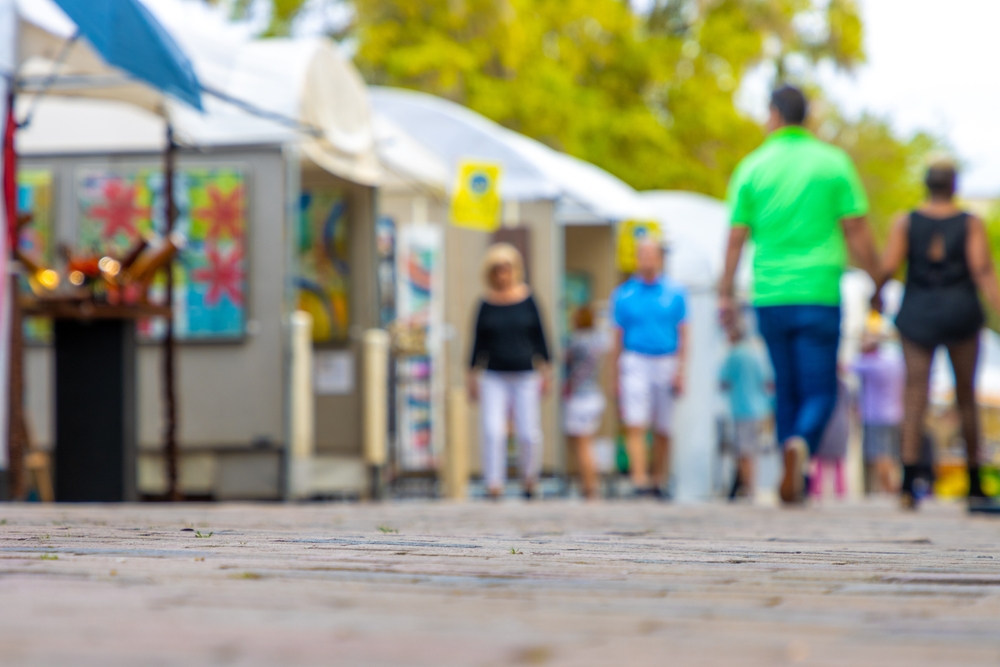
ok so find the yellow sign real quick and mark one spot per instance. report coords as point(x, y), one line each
point(630, 234)
point(476, 202)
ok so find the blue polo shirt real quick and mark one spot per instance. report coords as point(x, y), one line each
point(648, 314)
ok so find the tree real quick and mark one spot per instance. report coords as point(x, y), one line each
point(649, 98)
point(281, 13)
point(891, 168)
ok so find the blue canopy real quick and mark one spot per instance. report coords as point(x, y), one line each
point(129, 37)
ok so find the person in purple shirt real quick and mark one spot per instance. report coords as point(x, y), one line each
point(880, 402)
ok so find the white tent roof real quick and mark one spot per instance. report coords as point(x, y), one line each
point(697, 227)
point(77, 125)
point(408, 166)
point(42, 33)
point(531, 171)
point(306, 81)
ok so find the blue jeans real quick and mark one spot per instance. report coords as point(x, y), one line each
point(802, 341)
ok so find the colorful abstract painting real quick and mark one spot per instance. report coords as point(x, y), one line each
point(419, 379)
point(35, 240)
point(323, 273)
point(116, 207)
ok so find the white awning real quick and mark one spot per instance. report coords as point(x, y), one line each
point(583, 193)
point(306, 91)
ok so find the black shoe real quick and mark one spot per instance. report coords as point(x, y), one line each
point(660, 494)
point(916, 485)
point(975, 484)
point(979, 502)
point(737, 487)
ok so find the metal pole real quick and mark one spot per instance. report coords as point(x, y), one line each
point(169, 390)
point(17, 432)
point(16, 435)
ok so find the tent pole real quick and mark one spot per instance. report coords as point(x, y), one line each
point(169, 390)
point(17, 432)
point(17, 435)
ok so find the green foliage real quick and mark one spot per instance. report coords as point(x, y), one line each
point(649, 98)
point(891, 168)
point(992, 223)
point(282, 13)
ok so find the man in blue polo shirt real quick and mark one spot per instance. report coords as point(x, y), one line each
point(648, 312)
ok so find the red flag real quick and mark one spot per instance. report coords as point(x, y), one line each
point(10, 173)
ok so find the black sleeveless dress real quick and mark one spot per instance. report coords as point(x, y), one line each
point(940, 304)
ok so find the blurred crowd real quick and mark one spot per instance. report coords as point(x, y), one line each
point(801, 202)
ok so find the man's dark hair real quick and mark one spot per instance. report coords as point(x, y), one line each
point(791, 104)
point(941, 179)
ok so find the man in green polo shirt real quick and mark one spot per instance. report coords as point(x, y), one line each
point(802, 204)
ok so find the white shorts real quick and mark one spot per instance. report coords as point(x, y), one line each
point(646, 393)
point(583, 412)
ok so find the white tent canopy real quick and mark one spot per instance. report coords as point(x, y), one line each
point(698, 229)
point(317, 95)
point(43, 49)
point(409, 167)
point(531, 171)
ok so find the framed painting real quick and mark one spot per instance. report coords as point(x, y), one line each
point(36, 239)
point(117, 207)
point(322, 276)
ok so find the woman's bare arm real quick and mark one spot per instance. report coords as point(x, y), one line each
point(977, 254)
point(896, 249)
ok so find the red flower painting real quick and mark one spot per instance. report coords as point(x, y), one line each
point(224, 275)
point(119, 211)
point(223, 213)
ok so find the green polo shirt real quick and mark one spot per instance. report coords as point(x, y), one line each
point(792, 193)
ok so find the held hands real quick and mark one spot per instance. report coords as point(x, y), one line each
point(876, 302)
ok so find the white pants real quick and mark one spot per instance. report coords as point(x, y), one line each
point(646, 390)
point(501, 397)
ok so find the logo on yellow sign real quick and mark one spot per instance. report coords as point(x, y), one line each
point(630, 234)
point(476, 202)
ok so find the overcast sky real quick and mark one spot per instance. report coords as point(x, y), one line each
point(933, 64)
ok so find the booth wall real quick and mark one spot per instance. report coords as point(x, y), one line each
point(338, 417)
point(230, 394)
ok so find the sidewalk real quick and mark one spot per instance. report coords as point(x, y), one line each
point(549, 583)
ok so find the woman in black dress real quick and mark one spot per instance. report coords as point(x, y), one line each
point(509, 370)
point(948, 268)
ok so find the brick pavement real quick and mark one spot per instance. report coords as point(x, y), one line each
point(549, 583)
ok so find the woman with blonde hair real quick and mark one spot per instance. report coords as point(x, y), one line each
point(509, 369)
